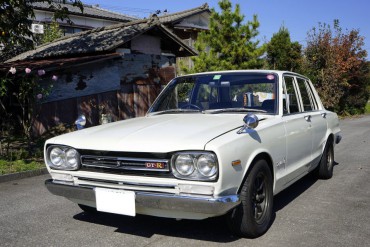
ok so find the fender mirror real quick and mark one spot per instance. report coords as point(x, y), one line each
point(250, 122)
point(80, 122)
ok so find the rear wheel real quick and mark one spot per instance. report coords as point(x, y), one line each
point(252, 217)
point(325, 168)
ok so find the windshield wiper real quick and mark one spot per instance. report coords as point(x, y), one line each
point(215, 111)
point(176, 111)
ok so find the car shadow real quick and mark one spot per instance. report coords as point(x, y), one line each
point(295, 190)
point(212, 229)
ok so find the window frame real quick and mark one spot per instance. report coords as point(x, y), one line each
point(296, 92)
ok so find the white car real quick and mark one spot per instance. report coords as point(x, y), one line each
point(218, 143)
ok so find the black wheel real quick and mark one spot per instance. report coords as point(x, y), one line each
point(88, 209)
point(252, 217)
point(325, 168)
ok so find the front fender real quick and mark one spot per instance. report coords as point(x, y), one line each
point(243, 149)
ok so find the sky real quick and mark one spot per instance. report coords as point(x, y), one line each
point(298, 16)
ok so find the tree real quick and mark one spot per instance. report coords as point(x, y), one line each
point(336, 62)
point(228, 44)
point(15, 23)
point(282, 54)
point(51, 32)
point(25, 89)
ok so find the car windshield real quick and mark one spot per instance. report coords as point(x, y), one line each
point(219, 93)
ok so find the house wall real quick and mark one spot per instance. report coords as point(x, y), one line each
point(121, 88)
point(46, 16)
point(80, 23)
point(146, 44)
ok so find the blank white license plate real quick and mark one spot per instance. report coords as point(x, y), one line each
point(115, 201)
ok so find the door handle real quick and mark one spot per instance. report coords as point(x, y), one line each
point(323, 114)
point(307, 118)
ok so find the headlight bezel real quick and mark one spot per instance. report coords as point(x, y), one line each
point(65, 154)
point(196, 174)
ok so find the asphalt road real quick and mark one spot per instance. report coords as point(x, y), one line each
point(312, 212)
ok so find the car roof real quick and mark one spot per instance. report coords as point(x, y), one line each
point(279, 72)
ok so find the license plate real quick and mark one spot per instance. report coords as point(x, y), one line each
point(115, 201)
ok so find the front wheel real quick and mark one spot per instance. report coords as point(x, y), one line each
point(252, 217)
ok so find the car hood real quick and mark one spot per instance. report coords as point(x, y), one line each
point(156, 133)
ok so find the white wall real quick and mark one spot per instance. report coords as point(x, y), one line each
point(45, 16)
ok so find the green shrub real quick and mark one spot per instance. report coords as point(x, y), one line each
point(7, 167)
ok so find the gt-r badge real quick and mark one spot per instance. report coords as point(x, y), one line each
point(155, 165)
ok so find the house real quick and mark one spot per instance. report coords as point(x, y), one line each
point(92, 17)
point(185, 24)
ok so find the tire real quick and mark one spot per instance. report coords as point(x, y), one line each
point(252, 217)
point(88, 209)
point(325, 167)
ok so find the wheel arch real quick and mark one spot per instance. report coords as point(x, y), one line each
point(265, 156)
point(329, 138)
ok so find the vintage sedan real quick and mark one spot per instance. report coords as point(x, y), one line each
point(217, 143)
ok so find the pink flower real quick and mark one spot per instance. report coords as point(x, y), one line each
point(28, 70)
point(12, 70)
point(39, 96)
point(41, 72)
point(54, 78)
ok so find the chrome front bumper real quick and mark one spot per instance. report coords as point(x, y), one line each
point(190, 204)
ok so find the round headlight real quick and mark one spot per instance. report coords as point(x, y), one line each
point(207, 165)
point(63, 158)
point(57, 157)
point(184, 164)
point(72, 158)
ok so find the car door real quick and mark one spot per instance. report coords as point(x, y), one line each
point(298, 132)
point(317, 117)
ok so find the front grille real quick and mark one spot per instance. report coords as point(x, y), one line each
point(126, 165)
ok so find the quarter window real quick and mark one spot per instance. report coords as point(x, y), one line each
point(312, 96)
point(306, 100)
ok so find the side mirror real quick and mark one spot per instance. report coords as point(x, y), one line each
point(80, 122)
point(250, 122)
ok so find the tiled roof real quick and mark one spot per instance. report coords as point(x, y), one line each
point(102, 40)
point(55, 63)
point(106, 39)
point(88, 10)
point(175, 17)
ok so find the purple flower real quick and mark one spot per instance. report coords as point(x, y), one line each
point(28, 70)
point(54, 78)
point(12, 70)
point(41, 72)
point(39, 96)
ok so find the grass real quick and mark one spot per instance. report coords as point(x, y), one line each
point(8, 167)
point(15, 158)
point(17, 155)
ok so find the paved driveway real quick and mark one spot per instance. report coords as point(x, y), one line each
point(310, 213)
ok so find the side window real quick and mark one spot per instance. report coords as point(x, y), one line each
point(290, 102)
point(306, 100)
